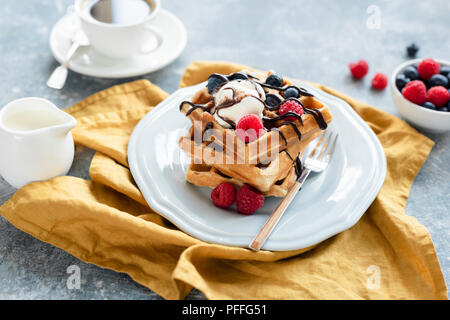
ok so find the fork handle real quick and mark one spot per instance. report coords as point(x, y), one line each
point(270, 224)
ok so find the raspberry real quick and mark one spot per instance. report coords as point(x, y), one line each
point(359, 69)
point(249, 128)
point(427, 68)
point(439, 96)
point(416, 92)
point(248, 200)
point(291, 106)
point(223, 195)
point(379, 81)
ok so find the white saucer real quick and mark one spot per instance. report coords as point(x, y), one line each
point(89, 62)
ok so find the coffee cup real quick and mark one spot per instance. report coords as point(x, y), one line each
point(120, 28)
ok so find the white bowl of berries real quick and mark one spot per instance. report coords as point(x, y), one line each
point(421, 91)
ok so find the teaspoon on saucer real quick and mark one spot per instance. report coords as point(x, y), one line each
point(59, 75)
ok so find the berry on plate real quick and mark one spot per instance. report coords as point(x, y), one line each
point(223, 195)
point(359, 69)
point(248, 200)
point(427, 68)
point(291, 92)
point(438, 80)
point(249, 128)
point(412, 50)
point(272, 100)
point(291, 106)
point(238, 76)
point(439, 96)
point(416, 92)
point(213, 81)
point(274, 80)
point(379, 81)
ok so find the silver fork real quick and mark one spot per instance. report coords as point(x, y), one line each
point(317, 161)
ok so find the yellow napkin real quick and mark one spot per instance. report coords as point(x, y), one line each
point(386, 255)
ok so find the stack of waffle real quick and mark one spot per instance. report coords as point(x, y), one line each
point(270, 163)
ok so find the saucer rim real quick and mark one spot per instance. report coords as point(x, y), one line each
point(121, 73)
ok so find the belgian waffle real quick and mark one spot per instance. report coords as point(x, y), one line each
point(261, 176)
point(268, 163)
point(203, 175)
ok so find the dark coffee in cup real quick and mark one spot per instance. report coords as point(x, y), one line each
point(120, 12)
point(120, 28)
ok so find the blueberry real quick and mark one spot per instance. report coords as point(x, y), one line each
point(429, 105)
point(444, 109)
point(291, 92)
point(411, 73)
point(274, 80)
point(401, 81)
point(238, 75)
point(412, 50)
point(445, 70)
point(272, 100)
point(438, 80)
point(214, 80)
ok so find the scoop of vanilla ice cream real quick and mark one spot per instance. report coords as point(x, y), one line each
point(244, 96)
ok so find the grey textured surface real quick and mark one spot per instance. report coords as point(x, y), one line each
point(311, 40)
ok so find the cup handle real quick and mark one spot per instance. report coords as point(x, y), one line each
point(158, 36)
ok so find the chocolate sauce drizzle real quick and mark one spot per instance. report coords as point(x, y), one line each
point(269, 122)
point(302, 91)
point(287, 152)
point(292, 124)
point(238, 75)
point(193, 107)
point(318, 117)
point(289, 114)
point(298, 166)
point(281, 134)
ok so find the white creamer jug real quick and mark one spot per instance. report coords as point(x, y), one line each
point(35, 141)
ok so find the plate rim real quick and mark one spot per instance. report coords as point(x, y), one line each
point(332, 230)
point(89, 72)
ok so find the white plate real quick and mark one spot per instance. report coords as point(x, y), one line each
point(327, 204)
point(89, 62)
